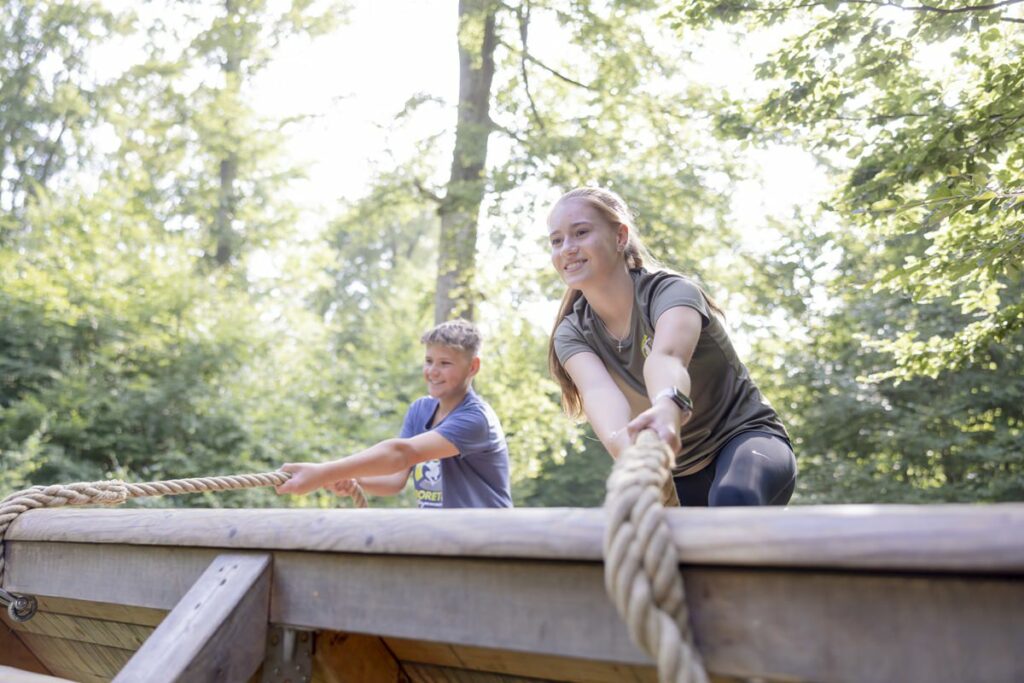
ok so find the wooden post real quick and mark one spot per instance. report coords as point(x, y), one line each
point(217, 631)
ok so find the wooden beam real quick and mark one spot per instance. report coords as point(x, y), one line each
point(528, 665)
point(341, 657)
point(104, 611)
point(786, 624)
point(71, 658)
point(86, 630)
point(15, 652)
point(525, 605)
point(216, 632)
point(117, 574)
point(428, 673)
point(853, 628)
point(933, 538)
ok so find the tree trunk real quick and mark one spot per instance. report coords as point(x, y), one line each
point(223, 230)
point(224, 236)
point(460, 209)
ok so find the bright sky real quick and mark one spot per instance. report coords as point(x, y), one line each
point(351, 84)
point(358, 79)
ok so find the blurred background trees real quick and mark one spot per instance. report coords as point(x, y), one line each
point(143, 335)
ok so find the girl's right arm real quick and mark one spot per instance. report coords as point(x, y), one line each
point(604, 404)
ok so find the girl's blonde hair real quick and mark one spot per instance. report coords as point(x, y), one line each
point(614, 210)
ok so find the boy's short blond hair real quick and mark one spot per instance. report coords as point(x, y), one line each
point(455, 334)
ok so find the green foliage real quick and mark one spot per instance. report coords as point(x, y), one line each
point(926, 101)
point(946, 439)
point(136, 340)
point(47, 102)
point(515, 381)
point(897, 373)
point(112, 367)
point(614, 109)
point(120, 357)
point(572, 477)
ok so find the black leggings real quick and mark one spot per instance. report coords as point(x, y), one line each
point(753, 468)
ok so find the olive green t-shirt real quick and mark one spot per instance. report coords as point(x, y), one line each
point(726, 402)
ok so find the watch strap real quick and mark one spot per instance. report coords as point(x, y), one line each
point(681, 400)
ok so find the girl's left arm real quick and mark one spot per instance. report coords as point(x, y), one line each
point(676, 334)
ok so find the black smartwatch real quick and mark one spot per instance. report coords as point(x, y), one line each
point(681, 400)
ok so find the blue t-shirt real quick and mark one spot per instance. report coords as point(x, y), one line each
point(475, 478)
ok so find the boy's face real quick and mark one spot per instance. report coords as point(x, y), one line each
point(448, 371)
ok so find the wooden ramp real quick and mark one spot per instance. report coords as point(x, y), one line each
point(847, 593)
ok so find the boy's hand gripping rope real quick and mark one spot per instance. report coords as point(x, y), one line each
point(641, 562)
point(115, 492)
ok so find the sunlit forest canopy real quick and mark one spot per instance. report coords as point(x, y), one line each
point(225, 224)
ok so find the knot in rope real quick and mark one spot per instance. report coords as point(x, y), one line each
point(642, 563)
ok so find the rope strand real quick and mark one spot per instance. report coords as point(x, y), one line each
point(641, 562)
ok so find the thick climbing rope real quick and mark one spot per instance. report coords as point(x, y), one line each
point(641, 562)
point(115, 492)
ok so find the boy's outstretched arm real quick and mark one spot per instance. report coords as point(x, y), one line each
point(387, 457)
point(384, 485)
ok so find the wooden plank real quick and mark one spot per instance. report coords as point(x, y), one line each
point(14, 652)
point(11, 675)
point(156, 578)
point(528, 606)
point(429, 673)
point(70, 658)
point(217, 632)
point(523, 664)
point(341, 657)
point(842, 627)
point(104, 611)
point(153, 577)
point(836, 626)
point(934, 538)
point(83, 629)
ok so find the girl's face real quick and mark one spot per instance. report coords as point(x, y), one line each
point(448, 371)
point(585, 247)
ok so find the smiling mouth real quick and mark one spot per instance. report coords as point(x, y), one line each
point(574, 266)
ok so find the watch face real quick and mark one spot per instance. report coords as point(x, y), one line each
point(681, 399)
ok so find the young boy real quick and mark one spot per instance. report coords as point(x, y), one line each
point(451, 439)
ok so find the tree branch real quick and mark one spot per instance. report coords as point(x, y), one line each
point(556, 74)
point(959, 10)
point(44, 172)
point(891, 3)
point(524, 23)
point(502, 129)
point(425, 192)
point(533, 60)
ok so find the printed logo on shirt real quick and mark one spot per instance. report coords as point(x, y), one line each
point(646, 345)
point(426, 478)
